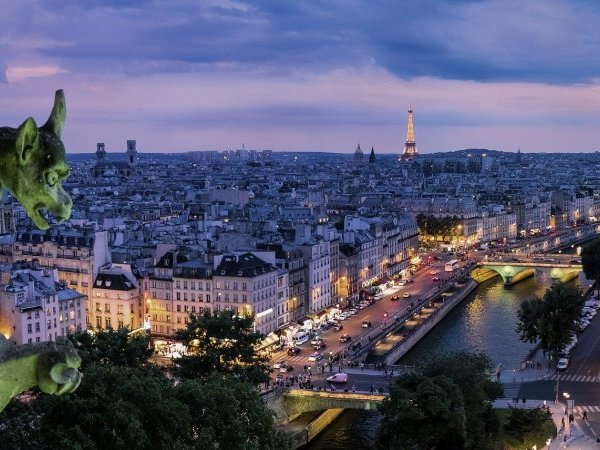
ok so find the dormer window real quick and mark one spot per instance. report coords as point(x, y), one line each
point(222, 272)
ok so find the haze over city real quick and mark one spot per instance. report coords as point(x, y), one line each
point(305, 76)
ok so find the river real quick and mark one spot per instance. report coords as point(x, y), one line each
point(485, 321)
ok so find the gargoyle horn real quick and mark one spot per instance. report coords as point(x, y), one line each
point(56, 121)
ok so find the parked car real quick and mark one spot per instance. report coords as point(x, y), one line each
point(316, 356)
point(366, 323)
point(293, 351)
point(353, 311)
point(378, 296)
point(402, 283)
point(338, 378)
point(344, 338)
point(562, 364)
point(406, 295)
point(338, 327)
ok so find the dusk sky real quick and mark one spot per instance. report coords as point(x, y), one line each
point(182, 75)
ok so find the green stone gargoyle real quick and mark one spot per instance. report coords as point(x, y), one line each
point(33, 165)
point(52, 366)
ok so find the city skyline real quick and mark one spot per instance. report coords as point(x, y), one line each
point(181, 76)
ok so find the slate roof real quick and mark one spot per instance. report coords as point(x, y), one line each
point(115, 282)
point(244, 265)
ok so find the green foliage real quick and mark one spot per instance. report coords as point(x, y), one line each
point(222, 343)
point(432, 226)
point(122, 408)
point(113, 347)
point(458, 384)
point(524, 421)
point(590, 260)
point(470, 372)
point(551, 320)
point(430, 412)
point(530, 436)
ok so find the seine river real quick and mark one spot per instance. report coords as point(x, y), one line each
point(485, 321)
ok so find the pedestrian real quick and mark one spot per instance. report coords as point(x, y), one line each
point(585, 416)
point(353, 388)
point(562, 423)
point(372, 389)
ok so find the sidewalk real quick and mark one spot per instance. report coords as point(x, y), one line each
point(575, 436)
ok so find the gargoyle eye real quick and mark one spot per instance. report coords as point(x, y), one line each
point(51, 178)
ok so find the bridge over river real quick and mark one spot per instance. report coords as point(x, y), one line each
point(512, 270)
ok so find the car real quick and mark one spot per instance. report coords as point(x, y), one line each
point(338, 327)
point(562, 364)
point(385, 314)
point(320, 346)
point(402, 283)
point(410, 280)
point(316, 356)
point(293, 351)
point(286, 368)
point(316, 342)
point(378, 296)
point(436, 278)
point(339, 377)
point(353, 311)
point(344, 338)
point(278, 364)
point(394, 298)
point(406, 295)
point(433, 272)
point(366, 323)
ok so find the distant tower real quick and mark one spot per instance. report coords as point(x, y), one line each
point(132, 156)
point(372, 156)
point(358, 155)
point(100, 153)
point(410, 148)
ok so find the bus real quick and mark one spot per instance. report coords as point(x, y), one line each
point(451, 265)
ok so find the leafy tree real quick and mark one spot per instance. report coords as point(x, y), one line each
point(590, 260)
point(222, 343)
point(113, 347)
point(118, 407)
point(423, 412)
point(524, 421)
point(470, 372)
point(551, 320)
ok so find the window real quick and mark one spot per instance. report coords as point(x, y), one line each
point(107, 322)
point(207, 298)
point(37, 327)
point(193, 309)
point(185, 284)
point(192, 285)
point(178, 296)
point(29, 328)
point(193, 297)
point(107, 307)
point(177, 284)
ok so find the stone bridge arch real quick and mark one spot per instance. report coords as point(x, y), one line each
point(289, 404)
point(513, 273)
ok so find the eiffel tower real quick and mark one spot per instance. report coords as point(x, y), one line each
point(410, 148)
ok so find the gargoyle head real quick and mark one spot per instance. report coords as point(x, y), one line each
point(38, 167)
point(57, 370)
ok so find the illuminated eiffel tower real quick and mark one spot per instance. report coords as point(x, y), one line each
point(410, 148)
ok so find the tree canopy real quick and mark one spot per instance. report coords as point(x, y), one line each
point(423, 412)
point(551, 320)
point(114, 347)
point(118, 407)
point(222, 343)
point(456, 383)
point(590, 260)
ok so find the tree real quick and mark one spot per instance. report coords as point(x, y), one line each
point(470, 372)
point(551, 320)
point(119, 407)
point(115, 347)
point(524, 421)
point(222, 343)
point(422, 412)
point(590, 260)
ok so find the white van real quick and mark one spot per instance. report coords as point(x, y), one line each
point(338, 378)
point(300, 338)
